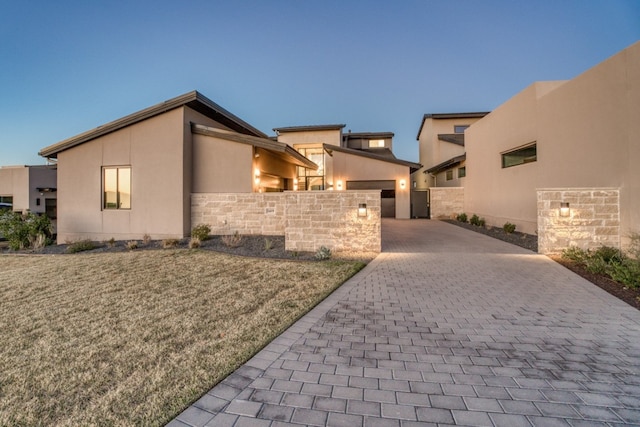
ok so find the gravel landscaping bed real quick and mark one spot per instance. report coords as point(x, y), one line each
point(523, 240)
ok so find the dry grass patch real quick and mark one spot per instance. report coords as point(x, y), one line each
point(133, 338)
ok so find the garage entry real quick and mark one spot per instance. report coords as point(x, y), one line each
point(388, 194)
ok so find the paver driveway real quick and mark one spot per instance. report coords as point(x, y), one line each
point(445, 327)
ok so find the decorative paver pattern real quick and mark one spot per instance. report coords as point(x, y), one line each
point(445, 327)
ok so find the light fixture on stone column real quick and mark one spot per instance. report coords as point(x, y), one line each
point(564, 209)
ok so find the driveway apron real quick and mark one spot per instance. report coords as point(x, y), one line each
point(444, 327)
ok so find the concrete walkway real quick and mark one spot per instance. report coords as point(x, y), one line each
point(445, 327)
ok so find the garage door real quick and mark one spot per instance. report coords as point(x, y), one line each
point(388, 194)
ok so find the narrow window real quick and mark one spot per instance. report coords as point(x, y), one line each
point(117, 188)
point(460, 128)
point(520, 156)
point(376, 143)
point(449, 174)
point(462, 172)
point(38, 201)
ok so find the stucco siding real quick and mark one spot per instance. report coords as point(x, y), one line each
point(333, 137)
point(153, 149)
point(221, 166)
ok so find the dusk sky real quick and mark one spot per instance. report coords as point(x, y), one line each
point(68, 67)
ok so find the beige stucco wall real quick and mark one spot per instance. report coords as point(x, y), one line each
point(221, 166)
point(586, 131)
point(348, 167)
point(154, 150)
point(446, 202)
point(14, 182)
point(22, 183)
point(307, 219)
point(433, 151)
point(333, 137)
point(593, 219)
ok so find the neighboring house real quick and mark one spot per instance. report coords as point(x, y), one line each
point(29, 189)
point(442, 154)
point(136, 175)
point(352, 161)
point(582, 134)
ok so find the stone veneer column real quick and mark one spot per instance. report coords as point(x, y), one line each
point(593, 221)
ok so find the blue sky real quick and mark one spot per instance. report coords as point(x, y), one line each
point(67, 67)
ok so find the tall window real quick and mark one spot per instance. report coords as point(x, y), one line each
point(462, 172)
point(449, 174)
point(117, 187)
point(312, 179)
point(520, 156)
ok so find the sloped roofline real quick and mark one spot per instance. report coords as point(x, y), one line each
point(470, 115)
point(193, 99)
point(331, 148)
point(280, 149)
point(368, 135)
point(447, 164)
point(309, 128)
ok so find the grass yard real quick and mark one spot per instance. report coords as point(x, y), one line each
point(133, 338)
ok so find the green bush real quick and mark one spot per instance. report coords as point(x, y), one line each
point(477, 221)
point(25, 230)
point(462, 217)
point(626, 272)
point(81, 246)
point(201, 232)
point(323, 253)
point(509, 228)
point(576, 254)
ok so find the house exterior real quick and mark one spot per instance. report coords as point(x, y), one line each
point(136, 175)
point(352, 161)
point(29, 189)
point(573, 144)
point(441, 139)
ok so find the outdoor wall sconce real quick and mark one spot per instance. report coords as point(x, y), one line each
point(295, 184)
point(256, 174)
point(362, 210)
point(564, 209)
point(403, 183)
point(339, 185)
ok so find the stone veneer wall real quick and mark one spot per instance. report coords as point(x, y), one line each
point(446, 202)
point(307, 219)
point(593, 221)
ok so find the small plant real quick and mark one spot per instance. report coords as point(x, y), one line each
point(146, 239)
point(634, 245)
point(509, 228)
point(201, 232)
point(462, 217)
point(81, 246)
point(194, 242)
point(232, 240)
point(477, 221)
point(24, 230)
point(576, 254)
point(268, 244)
point(626, 272)
point(170, 243)
point(133, 244)
point(608, 254)
point(111, 242)
point(323, 253)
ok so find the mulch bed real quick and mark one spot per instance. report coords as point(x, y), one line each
point(517, 238)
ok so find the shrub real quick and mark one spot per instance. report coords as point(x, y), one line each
point(232, 240)
point(477, 221)
point(194, 242)
point(634, 245)
point(608, 254)
point(576, 254)
point(81, 246)
point(509, 228)
point(626, 272)
point(111, 242)
point(25, 231)
point(323, 253)
point(146, 239)
point(201, 232)
point(462, 217)
point(170, 243)
point(133, 244)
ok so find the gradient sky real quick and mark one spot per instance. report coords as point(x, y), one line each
point(68, 67)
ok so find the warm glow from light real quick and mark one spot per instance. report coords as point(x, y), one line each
point(362, 210)
point(564, 209)
point(339, 185)
point(403, 183)
point(256, 172)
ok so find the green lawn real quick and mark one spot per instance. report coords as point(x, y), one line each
point(133, 338)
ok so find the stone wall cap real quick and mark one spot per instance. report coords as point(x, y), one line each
point(577, 188)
